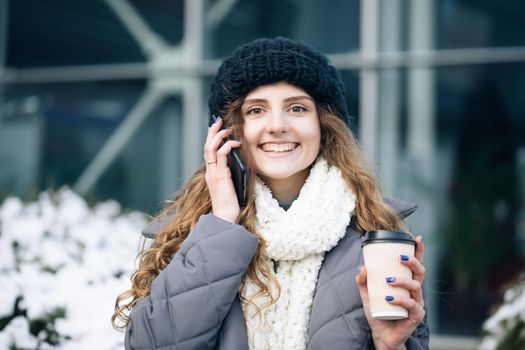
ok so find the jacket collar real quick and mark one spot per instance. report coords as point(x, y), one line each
point(402, 208)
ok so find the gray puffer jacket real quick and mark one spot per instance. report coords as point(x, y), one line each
point(194, 301)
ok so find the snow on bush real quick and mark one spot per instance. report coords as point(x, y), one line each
point(505, 329)
point(62, 264)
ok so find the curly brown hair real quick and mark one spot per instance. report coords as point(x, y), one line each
point(338, 146)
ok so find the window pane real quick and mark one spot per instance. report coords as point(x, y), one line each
point(481, 131)
point(50, 133)
point(62, 32)
point(329, 26)
point(469, 23)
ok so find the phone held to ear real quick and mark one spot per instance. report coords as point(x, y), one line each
point(237, 168)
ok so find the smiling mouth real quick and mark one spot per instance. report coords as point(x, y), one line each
point(279, 147)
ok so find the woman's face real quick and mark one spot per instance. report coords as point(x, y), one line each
point(281, 131)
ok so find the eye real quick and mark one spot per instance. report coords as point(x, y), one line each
point(254, 111)
point(298, 109)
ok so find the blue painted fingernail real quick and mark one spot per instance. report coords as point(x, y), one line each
point(390, 279)
point(404, 257)
point(389, 298)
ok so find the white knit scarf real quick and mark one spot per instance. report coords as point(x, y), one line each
point(297, 240)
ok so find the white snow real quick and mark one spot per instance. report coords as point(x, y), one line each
point(17, 331)
point(512, 309)
point(58, 252)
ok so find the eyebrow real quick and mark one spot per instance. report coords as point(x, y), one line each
point(300, 97)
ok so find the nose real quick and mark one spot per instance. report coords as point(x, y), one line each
point(277, 123)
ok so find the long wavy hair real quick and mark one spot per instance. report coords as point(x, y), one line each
point(338, 146)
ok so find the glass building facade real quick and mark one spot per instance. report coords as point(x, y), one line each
point(109, 97)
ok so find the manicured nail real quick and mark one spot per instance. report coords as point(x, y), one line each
point(390, 279)
point(389, 298)
point(217, 120)
point(404, 257)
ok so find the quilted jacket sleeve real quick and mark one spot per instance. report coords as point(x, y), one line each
point(419, 340)
point(191, 296)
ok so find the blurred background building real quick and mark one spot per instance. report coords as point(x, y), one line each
point(109, 97)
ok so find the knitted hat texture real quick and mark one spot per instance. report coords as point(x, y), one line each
point(267, 61)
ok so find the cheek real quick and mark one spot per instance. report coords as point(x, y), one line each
point(314, 146)
point(314, 138)
point(250, 136)
point(309, 129)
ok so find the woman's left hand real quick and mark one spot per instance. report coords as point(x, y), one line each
point(393, 334)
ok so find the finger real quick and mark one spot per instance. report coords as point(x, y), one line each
point(413, 286)
point(212, 129)
point(416, 312)
point(218, 138)
point(214, 144)
point(420, 247)
point(222, 160)
point(418, 270)
point(360, 280)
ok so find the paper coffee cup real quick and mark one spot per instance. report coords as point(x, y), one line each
point(382, 251)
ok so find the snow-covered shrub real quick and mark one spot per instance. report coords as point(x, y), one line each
point(505, 329)
point(62, 264)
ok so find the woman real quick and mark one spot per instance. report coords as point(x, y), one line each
point(284, 271)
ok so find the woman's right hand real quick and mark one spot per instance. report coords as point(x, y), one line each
point(218, 176)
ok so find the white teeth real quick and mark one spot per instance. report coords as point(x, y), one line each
point(278, 147)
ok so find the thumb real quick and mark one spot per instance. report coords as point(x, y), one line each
point(360, 278)
point(363, 288)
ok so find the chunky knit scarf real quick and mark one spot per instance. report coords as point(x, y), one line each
point(297, 240)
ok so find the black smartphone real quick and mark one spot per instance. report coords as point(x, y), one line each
point(237, 168)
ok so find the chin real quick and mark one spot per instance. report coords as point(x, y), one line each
point(282, 168)
point(280, 172)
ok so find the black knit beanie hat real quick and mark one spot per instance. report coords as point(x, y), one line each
point(266, 61)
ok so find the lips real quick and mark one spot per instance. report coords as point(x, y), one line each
point(278, 147)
